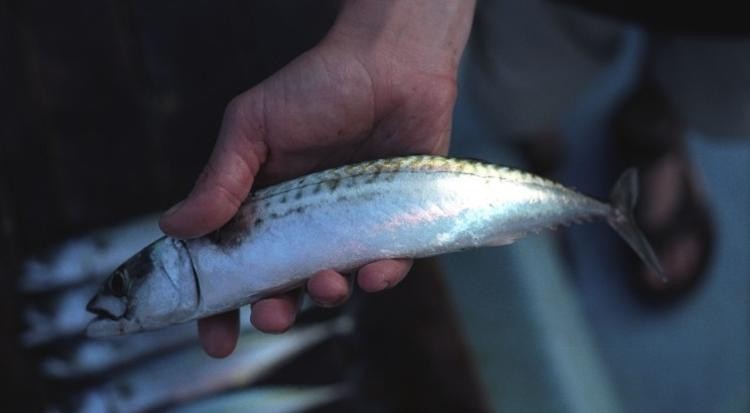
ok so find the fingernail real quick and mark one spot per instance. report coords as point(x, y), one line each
point(385, 284)
point(176, 207)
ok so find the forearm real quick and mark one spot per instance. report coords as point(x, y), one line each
point(430, 33)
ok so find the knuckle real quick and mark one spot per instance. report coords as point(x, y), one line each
point(235, 110)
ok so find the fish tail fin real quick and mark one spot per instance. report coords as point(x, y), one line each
point(623, 199)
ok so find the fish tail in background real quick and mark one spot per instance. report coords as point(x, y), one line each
point(623, 199)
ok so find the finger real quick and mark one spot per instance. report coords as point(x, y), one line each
point(218, 333)
point(379, 275)
point(227, 177)
point(328, 288)
point(275, 314)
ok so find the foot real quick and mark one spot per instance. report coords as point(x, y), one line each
point(672, 209)
point(674, 215)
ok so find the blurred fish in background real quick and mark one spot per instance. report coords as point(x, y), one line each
point(189, 374)
point(268, 400)
point(88, 258)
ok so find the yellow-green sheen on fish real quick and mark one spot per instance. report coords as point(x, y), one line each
point(343, 218)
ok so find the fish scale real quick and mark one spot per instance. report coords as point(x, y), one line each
point(341, 219)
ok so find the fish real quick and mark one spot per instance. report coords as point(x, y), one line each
point(89, 257)
point(342, 219)
point(89, 357)
point(281, 399)
point(189, 374)
point(55, 318)
point(62, 282)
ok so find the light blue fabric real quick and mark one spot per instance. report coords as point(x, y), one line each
point(550, 337)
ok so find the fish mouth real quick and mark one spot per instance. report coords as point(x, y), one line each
point(110, 320)
point(107, 306)
point(106, 327)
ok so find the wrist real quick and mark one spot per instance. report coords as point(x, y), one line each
point(430, 35)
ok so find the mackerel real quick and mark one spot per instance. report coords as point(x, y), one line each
point(90, 257)
point(287, 399)
point(343, 218)
point(89, 357)
point(187, 375)
point(58, 317)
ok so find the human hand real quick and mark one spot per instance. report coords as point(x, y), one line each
point(376, 86)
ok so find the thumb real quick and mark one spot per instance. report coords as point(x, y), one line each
point(227, 177)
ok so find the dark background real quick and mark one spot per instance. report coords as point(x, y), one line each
point(110, 108)
point(109, 111)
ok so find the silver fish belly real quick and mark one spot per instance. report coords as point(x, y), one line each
point(346, 217)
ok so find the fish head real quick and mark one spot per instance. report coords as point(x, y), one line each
point(155, 288)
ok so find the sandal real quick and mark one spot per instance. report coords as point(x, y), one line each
point(672, 212)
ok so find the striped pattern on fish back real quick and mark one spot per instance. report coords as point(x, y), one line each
point(387, 169)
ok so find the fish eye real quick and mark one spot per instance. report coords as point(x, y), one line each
point(119, 284)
